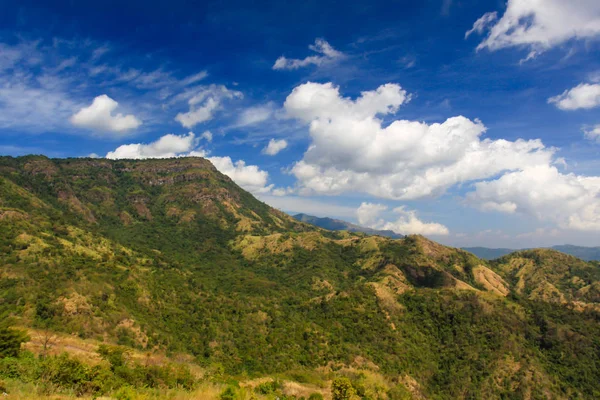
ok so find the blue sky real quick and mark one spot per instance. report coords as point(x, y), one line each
point(472, 122)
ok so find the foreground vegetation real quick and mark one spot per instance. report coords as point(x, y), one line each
point(171, 257)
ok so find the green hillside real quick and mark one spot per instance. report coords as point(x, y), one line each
point(170, 256)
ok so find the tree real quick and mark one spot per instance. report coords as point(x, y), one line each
point(341, 389)
point(11, 339)
point(115, 355)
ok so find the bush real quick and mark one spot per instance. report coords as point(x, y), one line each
point(315, 396)
point(125, 393)
point(341, 389)
point(63, 373)
point(11, 340)
point(269, 387)
point(115, 355)
point(399, 393)
point(228, 394)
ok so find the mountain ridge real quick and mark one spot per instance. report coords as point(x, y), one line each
point(487, 253)
point(340, 225)
point(582, 252)
point(170, 255)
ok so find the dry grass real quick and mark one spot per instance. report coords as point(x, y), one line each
point(491, 281)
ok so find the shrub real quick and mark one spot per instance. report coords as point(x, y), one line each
point(269, 387)
point(341, 389)
point(10, 340)
point(125, 393)
point(115, 355)
point(228, 394)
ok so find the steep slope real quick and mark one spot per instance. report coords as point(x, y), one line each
point(339, 225)
point(172, 255)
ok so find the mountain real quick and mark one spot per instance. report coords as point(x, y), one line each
point(488, 253)
point(171, 257)
point(339, 225)
point(584, 253)
point(551, 276)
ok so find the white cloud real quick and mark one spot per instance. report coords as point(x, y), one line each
point(43, 84)
point(482, 23)
point(255, 115)
point(593, 134)
point(594, 76)
point(408, 61)
point(584, 96)
point(328, 56)
point(540, 24)
point(99, 117)
point(275, 146)
point(207, 135)
point(407, 223)
point(204, 103)
point(351, 150)
point(34, 100)
point(167, 146)
point(368, 214)
point(194, 78)
point(250, 177)
point(569, 200)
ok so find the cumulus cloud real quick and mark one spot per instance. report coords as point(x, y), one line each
point(569, 200)
point(407, 223)
point(327, 55)
point(167, 146)
point(275, 146)
point(204, 103)
point(351, 150)
point(584, 96)
point(250, 177)
point(593, 134)
point(99, 117)
point(539, 25)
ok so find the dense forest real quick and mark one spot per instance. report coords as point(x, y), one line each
point(171, 257)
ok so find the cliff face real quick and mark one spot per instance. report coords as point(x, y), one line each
point(172, 255)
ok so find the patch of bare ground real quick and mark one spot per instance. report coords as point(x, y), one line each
point(490, 280)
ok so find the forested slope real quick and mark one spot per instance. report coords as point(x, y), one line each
point(171, 255)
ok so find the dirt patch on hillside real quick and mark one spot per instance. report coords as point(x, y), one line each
point(490, 280)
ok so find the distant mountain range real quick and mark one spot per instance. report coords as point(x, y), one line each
point(585, 253)
point(339, 225)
